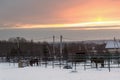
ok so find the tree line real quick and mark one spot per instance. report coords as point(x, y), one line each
point(20, 47)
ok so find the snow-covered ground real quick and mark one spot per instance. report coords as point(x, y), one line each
point(12, 72)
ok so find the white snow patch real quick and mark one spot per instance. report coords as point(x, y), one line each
point(12, 72)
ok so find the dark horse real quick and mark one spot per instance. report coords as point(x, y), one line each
point(97, 61)
point(34, 62)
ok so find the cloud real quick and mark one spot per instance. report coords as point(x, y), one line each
point(20, 12)
point(34, 11)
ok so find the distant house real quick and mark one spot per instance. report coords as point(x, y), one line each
point(113, 46)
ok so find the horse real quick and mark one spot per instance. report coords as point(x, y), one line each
point(33, 62)
point(97, 61)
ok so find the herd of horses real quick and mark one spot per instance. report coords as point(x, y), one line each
point(94, 60)
point(81, 57)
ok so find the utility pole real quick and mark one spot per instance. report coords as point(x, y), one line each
point(18, 47)
point(61, 56)
point(115, 44)
point(54, 56)
point(61, 46)
point(54, 46)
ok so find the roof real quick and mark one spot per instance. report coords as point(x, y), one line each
point(112, 44)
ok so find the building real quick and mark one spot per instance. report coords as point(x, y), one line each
point(113, 46)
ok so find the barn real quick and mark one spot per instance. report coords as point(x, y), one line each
point(113, 46)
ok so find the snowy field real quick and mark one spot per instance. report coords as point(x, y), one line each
point(12, 72)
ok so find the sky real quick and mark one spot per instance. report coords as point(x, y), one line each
point(76, 19)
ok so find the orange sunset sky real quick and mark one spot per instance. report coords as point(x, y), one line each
point(70, 15)
point(59, 13)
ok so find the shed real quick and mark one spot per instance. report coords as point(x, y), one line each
point(113, 46)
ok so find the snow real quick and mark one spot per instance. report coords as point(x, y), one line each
point(12, 72)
